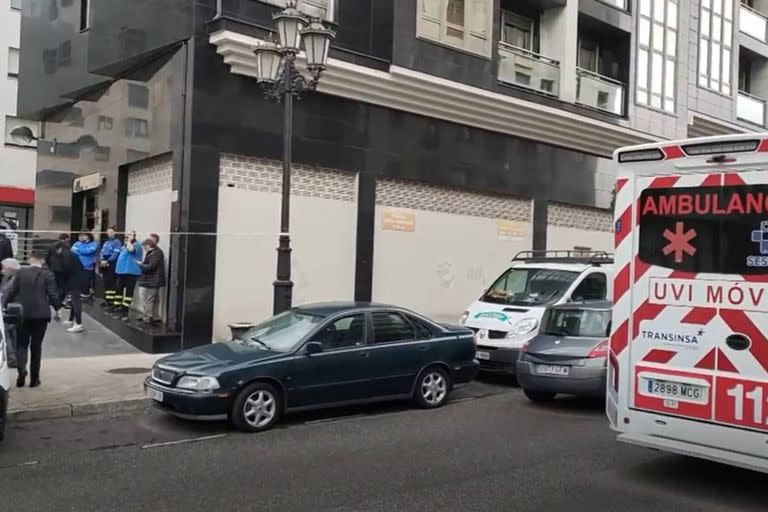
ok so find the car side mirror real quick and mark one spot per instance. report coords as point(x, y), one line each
point(313, 347)
point(13, 313)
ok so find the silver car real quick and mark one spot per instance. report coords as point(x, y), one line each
point(570, 353)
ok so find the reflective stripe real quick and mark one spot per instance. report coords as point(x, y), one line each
point(127, 301)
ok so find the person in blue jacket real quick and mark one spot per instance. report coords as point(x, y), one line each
point(128, 270)
point(110, 250)
point(86, 252)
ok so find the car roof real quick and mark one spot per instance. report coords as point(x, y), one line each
point(601, 305)
point(331, 308)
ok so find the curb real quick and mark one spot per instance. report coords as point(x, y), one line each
point(78, 409)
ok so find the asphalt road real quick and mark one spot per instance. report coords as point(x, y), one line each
point(487, 450)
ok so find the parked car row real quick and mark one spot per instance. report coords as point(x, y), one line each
point(536, 321)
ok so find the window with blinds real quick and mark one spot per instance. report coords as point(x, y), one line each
point(462, 24)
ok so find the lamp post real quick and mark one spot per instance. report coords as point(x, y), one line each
point(282, 81)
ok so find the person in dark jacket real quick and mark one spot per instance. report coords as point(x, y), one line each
point(35, 289)
point(152, 280)
point(60, 261)
point(128, 269)
point(110, 250)
point(6, 247)
point(63, 239)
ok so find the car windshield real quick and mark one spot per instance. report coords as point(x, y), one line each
point(281, 333)
point(588, 323)
point(529, 286)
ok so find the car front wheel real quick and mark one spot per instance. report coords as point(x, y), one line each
point(432, 388)
point(539, 396)
point(256, 408)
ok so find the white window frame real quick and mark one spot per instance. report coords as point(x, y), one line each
point(660, 26)
point(716, 17)
point(442, 23)
point(519, 19)
point(12, 73)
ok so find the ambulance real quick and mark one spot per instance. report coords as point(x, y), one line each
point(688, 360)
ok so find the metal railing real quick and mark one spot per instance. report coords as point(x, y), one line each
point(750, 108)
point(753, 23)
point(524, 68)
point(600, 92)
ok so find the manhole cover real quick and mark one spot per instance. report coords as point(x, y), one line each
point(128, 371)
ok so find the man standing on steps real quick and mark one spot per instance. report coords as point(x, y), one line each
point(109, 253)
point(152, 279)
point(35, 289)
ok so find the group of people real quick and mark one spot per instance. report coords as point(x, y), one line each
point(69, 270)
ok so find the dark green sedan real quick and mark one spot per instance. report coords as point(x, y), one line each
point(315, 356)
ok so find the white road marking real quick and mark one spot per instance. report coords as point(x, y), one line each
point(183, 441)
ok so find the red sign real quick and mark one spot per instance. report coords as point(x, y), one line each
point(742, 403)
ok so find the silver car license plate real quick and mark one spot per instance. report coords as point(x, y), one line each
point(482, 355)
point(155, 395)
point(551, 369)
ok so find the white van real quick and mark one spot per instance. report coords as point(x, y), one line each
point(5, 378)
point(688, 362)
point(508, 314)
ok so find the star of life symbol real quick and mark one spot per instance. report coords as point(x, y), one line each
point(760, 236)
point(679, 242)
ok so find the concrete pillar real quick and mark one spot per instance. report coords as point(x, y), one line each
point(559, 41)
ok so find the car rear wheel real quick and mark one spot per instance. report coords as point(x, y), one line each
point(432, 388)
point(539, 396)
point(256, 408)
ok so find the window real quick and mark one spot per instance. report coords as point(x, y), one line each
point(50, 58)
point(13, 62)
point(391, 327)
point(138, 96)
point(11, 123)
point(105, 123)
point(136, 127)
point(529, 286)
point(65, 54)
point(311, 7)
point(589, 323)
point(16, 5)
point(59, 214)
point(588, 54)
point(464, 24)
point(344, 333)
point(85, 14)
point(423, 332)
point(657, 54)
point(282, 332)
point(715, 43)
point(517, 31)
point(101, 154)
point(593, 287)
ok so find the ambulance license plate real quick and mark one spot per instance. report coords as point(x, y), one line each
point(675, 390)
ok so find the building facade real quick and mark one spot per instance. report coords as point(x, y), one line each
point(445, 135)
point(17, 158)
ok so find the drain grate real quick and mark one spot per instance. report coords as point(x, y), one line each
point(128, 371)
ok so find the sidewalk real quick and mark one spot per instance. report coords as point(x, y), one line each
point(86, 373)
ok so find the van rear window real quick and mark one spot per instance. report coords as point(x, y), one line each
point(721, 230)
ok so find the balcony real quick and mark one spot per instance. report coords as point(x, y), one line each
point(753, 23)
point(530, 70)
point(600, 92)
point(750, 109)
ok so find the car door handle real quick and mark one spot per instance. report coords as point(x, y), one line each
point(365, 354)
point(737, 342)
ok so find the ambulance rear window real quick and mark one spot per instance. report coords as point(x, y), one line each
point(721, 230)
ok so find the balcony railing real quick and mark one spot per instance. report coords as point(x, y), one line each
point(750, 108)
point(600, 92)
point(753, 23)
point(527, 69)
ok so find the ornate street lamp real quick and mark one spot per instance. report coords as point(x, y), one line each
point(281, 81)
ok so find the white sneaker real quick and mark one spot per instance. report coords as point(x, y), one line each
point(76, 328)
point(67, 323)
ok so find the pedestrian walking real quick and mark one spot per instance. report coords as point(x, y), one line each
point(6, 247)
point(9, 268)
point(152, 280)
point(35, 289)
point(86, 250)
point(62, 263)
point(128, 270)
point(110, 251)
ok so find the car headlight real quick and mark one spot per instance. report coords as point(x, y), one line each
point(198, 383)
point(463, 319)
point(523, 326)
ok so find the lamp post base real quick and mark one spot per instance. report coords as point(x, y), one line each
point(283, 299)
